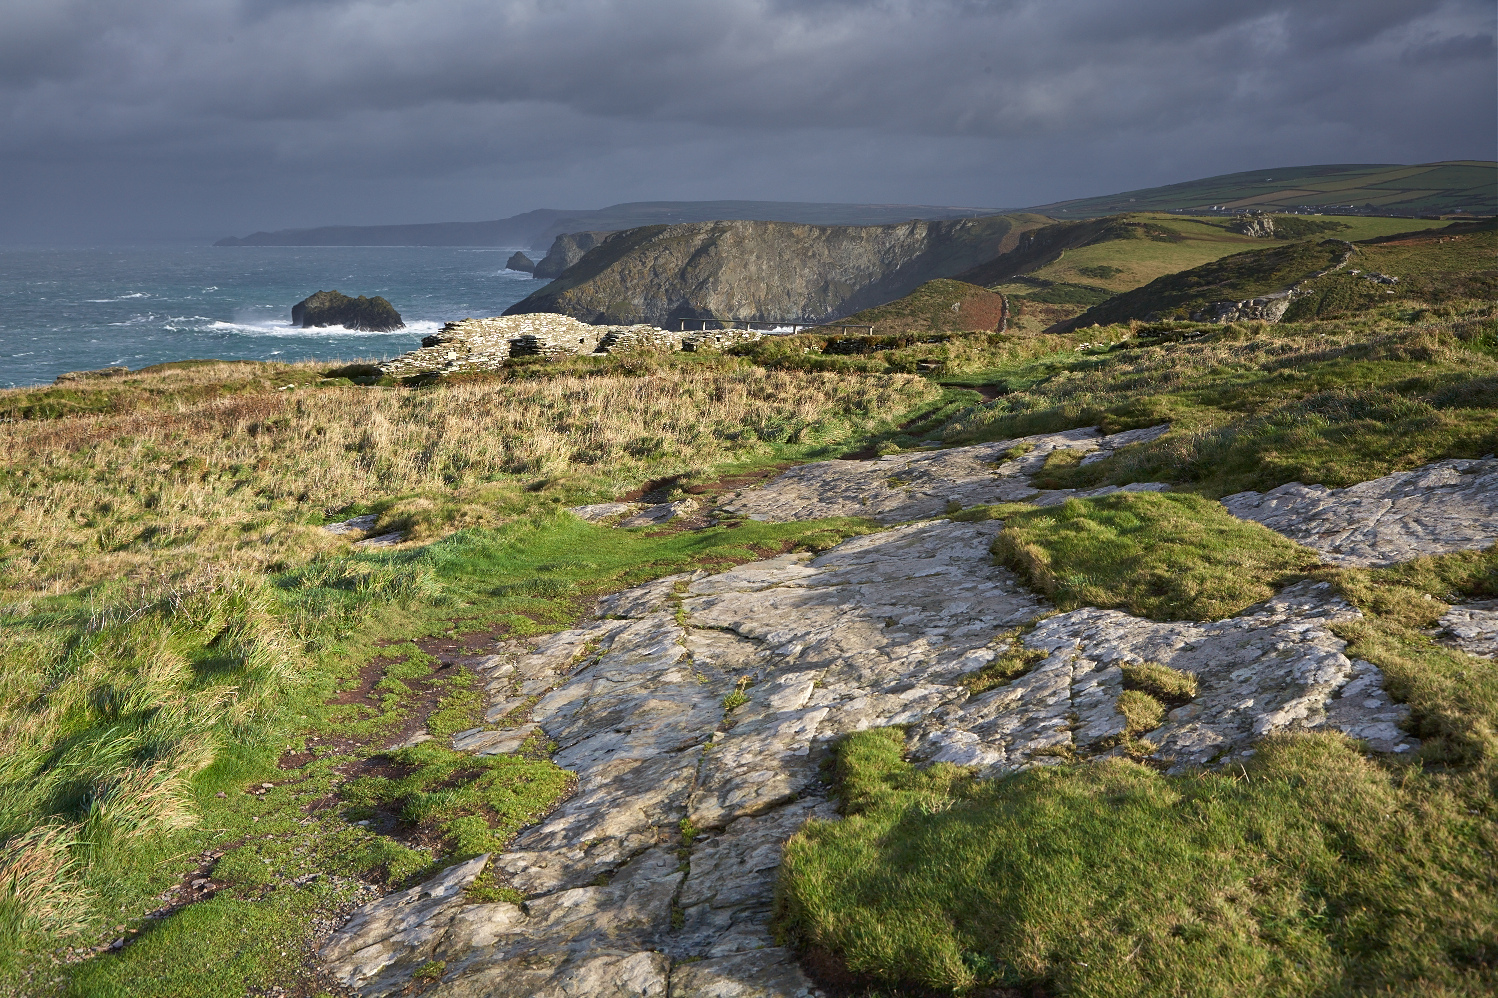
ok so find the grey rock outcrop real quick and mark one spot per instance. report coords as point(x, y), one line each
point(761, 270)
point(566, 250)
point(333, 308)
point(1471, 627)
point(1269, 308)
point(880, 630)
point(1254, 223)
point(877, 631)
point(904, 487)
point(520, 262)
point(1441, 507)
point(488, 344)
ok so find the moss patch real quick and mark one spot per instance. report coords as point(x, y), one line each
point(1166, 556)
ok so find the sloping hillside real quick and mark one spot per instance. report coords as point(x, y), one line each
point(1451, 262)
point(767, 270)
point(1382, 189)
point(939, 306)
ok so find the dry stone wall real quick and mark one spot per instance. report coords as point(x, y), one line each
point(487, 344)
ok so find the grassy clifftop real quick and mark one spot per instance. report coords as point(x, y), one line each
point(201, 684)
point(1386, 189)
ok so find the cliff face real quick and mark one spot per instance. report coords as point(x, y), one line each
point(766, 270)
point(566, 250)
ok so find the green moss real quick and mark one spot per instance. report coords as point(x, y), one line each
point(476, 802)
point(1166, 556)
point(1307, 872)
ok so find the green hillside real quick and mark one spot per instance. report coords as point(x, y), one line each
point(1448, 263)
point(1059, 270)
point(1383, 189)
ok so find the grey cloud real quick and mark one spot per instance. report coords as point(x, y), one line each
point(470, 102)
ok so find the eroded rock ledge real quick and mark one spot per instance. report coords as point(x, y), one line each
point(1439, 508)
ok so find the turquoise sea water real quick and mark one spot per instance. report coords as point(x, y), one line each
point(79, 309)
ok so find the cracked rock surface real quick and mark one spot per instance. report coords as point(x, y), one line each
point(904, 487)
point(1471, 627)
point(876, 631)
point(1441, 507)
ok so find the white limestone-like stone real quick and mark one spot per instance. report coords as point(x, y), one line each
point(1472, 628)
point(903, 487)
point(1439, 508)
point(874, 632)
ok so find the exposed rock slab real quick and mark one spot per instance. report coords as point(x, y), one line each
point(904, 487)
point(876, 631)
point(1442, 507)
point(1472, 628)
point(1275, 668)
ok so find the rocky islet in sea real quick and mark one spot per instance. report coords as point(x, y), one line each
point(333, 308)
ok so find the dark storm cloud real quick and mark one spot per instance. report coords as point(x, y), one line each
point(210, 116)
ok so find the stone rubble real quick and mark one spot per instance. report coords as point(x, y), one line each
point(904, 487)
point(1436, 509)
point(635, 514)
point(877, 631)
point(488, 344)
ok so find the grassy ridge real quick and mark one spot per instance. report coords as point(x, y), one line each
point(1314, 870)
point(1428, 188)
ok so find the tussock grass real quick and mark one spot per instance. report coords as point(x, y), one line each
point(1166, 556)
point(242, 480)
point(1313, 870)
point(1255, 406)
point(174, 618)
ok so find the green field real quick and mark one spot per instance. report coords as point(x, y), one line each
point(1426, 189)
point(1455, 261)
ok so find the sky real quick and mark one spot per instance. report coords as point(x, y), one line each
point(186, 120)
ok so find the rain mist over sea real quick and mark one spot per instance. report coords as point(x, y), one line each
point(81, 309)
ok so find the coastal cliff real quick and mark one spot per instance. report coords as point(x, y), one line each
point(567, 249)
point(766, 270)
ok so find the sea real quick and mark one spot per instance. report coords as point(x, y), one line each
point(83, 309)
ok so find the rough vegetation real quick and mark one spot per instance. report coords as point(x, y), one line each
point(224, 726)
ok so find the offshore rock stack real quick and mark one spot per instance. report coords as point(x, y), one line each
point(488, 344)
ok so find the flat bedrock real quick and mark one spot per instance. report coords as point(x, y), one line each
point(877, 631)
point(1436, 509)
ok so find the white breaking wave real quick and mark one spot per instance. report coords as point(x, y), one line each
point(415, 329)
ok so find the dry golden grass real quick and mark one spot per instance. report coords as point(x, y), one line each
point(236, 479)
